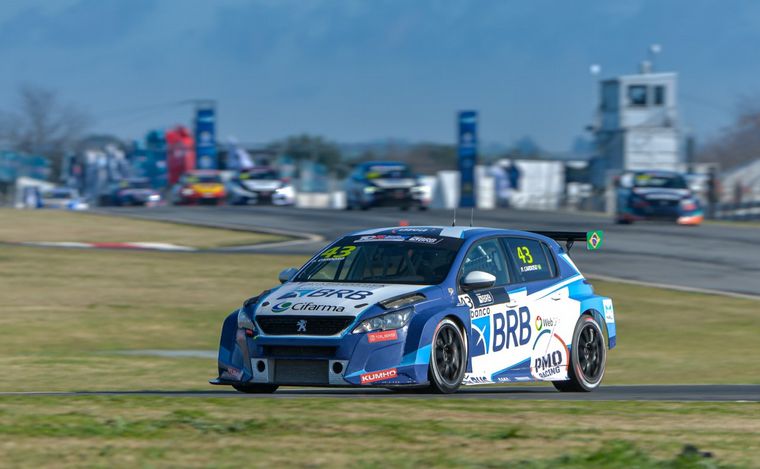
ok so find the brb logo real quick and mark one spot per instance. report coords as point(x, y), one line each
point(328, 293)
point(500, 330)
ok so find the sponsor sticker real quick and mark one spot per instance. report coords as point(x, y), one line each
point(609, 311)
point(381, 375)
point(424, 240)
point(484, 298)
point(367, 238)
point(382, 336)
point(550, 357)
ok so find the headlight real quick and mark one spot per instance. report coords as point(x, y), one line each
point(154, 197)
point(187, 192)
point(689, 204)
point(393, 320)
point(244, 321)
point(370, 190)
point(401, 301)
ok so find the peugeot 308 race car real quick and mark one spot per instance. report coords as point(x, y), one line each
point(427, 307)
point(657, 195)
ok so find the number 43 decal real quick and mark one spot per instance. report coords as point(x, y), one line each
point(524, 254)
point(338, 252)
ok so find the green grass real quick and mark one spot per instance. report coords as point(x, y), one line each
point(66, 314)
point(56, 225)
point(325, 432)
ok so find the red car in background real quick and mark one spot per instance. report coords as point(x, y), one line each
point(199, 187)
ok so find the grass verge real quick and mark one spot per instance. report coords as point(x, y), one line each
point(206, 432)
point(55, 225)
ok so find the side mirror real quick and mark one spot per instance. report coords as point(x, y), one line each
point(476, 280)
point(287, 274)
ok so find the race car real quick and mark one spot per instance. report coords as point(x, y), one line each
point(132, 191)
point(384, 184)
point(260, 185)
point(656, 195)
point(64, 198)
point(199, 187)
point(425, 307)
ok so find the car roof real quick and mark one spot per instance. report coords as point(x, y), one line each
point(463, 232)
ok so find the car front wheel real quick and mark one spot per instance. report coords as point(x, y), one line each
point(448, 358)
point(588, 358)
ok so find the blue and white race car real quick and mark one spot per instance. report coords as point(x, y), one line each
point(433, 307)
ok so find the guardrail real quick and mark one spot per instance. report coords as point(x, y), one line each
point(744, 211)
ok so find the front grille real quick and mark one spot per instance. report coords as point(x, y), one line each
point(301, 372)
point(276, 351)
point(314, 325)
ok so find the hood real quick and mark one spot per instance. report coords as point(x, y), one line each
point(261, 184)
point(329, 298)
point(656, 193)
point(394, 183)
point(138, 192)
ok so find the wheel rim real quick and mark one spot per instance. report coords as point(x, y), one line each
point(448, 354)
point(590, 353)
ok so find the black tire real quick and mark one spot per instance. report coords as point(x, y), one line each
point(588, 358)
point(448, 358)
point(256, 388)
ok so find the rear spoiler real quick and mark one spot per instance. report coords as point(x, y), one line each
point(593, 239)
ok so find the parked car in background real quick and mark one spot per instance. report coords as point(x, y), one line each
point(657, 195)
point(260, 185)
point(199, 187)
point(64, 198)
point(384, 183)
point(132, 191)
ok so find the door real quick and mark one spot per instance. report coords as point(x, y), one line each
point(500, 324)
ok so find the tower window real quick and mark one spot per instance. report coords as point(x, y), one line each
point(659, 95)
point(637, 95)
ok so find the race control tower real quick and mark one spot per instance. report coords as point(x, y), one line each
point(637, 123)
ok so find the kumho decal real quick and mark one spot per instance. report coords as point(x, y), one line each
point(382, 375)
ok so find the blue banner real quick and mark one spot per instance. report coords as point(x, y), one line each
point(468, 156)
point(205, 138)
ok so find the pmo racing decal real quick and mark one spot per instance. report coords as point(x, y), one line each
point(550, 357)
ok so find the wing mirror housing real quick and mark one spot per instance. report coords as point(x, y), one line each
point(287, 274)
point(476, 280)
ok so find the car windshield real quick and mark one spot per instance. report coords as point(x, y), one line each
point(412, 259)
point(141, 184)
point(202, 178)
point(59, 194)
point(269, 175)
point(659, 180)
point(388, 172)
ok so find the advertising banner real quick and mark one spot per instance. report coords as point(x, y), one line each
point(205, 137)
point(468, 154)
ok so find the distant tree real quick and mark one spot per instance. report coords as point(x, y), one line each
point(309, 148)
point(738, 143)
point(40, 124)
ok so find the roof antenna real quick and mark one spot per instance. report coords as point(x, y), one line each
point(472, 215)
point(454, 223)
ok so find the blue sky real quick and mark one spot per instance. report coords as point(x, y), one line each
point(372, 69)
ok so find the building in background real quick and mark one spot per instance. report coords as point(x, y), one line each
point(637, 125)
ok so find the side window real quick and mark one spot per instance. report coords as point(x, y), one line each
point(531, 259)
point(487, 256)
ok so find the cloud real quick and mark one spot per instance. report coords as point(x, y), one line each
point(86, 23)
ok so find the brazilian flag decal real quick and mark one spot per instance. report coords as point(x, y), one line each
point(594, 239)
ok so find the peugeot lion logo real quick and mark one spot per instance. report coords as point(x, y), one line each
point(301, 325)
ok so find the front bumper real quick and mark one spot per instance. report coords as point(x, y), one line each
point(366, 359)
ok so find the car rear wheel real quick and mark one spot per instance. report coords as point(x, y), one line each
point(448, 358)
point(256, 388)
point(588, 358)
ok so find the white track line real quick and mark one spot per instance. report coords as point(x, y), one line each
point(666, 286)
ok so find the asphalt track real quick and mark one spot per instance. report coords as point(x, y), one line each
point(712, 257)
point(682, 393)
